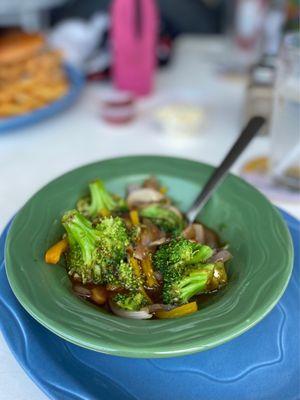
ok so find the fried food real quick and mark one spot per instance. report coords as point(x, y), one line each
point(31, 74)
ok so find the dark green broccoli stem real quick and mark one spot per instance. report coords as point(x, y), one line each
point(81, 233)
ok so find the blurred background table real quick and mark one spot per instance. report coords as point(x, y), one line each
point(31, 157)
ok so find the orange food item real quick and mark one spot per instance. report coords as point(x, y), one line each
point(104, 212)
point(137, 271)
point(31, 73)
point(177, 312)
point(258, 164)
point(135, 266)
point(134, 217)
point(99, 295)
point(163, 190)
point(148, 271)
point(16, 46)
point(55, 252)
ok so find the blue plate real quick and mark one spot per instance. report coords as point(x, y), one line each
point(262, 364)
point(76, 82)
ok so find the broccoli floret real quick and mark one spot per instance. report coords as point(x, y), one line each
point(83, 257)
point(173, 256)
point(130, 301)
point(94, 252)
point(99, 200)
point(114, 242)
point(122, 275)
point(114, 238)
point(164, 217)
point(193, 280)
point(127, 276)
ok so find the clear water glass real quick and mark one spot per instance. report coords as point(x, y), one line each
point(285, 124)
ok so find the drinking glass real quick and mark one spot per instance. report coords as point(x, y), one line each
point(285, 124)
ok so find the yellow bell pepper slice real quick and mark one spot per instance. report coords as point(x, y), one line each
point(104, 212)
point(99, 295)
point(135, 266)
point(177, 312)
point(55, 252)
point(148, 271)
point(134, 217)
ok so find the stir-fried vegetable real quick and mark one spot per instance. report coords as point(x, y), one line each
point(164, 217)
point(191, 281)
point(148, 271)
point(134, 216)
point(83, 258)
point(135, 266)
point(177, 312)
point(138, 257)
point(99, 295)
point(122, 275)
point(99, 202)
point(219, 277)
point(132, 301)
point(55, 252)
point(93, 251)
point(174, 255)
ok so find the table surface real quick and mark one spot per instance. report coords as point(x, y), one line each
point(32, 156)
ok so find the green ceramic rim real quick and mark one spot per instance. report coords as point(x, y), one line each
point(259, 273)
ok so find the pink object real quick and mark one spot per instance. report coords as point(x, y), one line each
point(134, 38)
point(118, 115)
point(249, 22)
point(116, 98)
point(117, 107)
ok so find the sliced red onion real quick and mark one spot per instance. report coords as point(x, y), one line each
point(142, 314)
point(211, 238)
point(175, 210)
point(152, 183)
point(194, 232)
point(199, 233)
point(132, 187)
point(158, 276)
point(221, 255)
point(150, 232)
point(159, 242)
point(146, 237)
point(140, 252)
point(82, 291)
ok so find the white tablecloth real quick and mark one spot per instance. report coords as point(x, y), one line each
point(30, 157)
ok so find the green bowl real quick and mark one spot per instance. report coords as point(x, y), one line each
point(258, 274)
